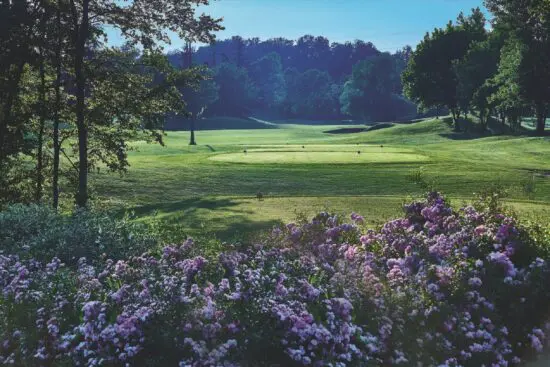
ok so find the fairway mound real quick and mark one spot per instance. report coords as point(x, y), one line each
point(360, 155)
point(307, 122)
point(383, 125)
point(372, 127)
point(346, 130)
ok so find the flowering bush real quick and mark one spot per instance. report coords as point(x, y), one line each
point(435, 288)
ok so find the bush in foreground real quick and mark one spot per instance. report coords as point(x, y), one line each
point(39, 232)
point(435, 288)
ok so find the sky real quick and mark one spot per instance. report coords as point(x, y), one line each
point(388, 24)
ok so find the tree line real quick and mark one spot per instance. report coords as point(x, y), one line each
point(309, 78)
point(498, 69)
point(70, 102)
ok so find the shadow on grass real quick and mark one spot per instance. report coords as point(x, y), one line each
point(470, 130)
point(220, 218)
point(188, 205)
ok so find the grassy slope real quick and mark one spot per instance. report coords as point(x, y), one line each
point(182, 185)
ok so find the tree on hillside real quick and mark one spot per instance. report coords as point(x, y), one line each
point(308, 52)
point(506, 93)
point(239, 50)
point(342, 62)
point(372, 91)
point(235, 90)
point(430, 79)
point(401, 60)
point(310, 94)
point(268, 78)
point(474, 73)
point(527, 22)
point(312, 52)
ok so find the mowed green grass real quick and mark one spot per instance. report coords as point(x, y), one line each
point(301, 169)
point(308, 156)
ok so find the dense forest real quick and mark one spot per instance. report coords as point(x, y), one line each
point(310, 78)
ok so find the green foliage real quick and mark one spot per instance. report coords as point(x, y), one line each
point(507, 96)
point(133, 93)
point(527, 26)
point(235, 90)
point(372, 91)
point(199, 99)
point(59, 70)
point(421, 179)
point(311, 94)
point(38, 231)
point(268, 77)
point(431, 79)
point(474, 72)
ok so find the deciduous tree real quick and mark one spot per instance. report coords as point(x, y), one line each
point(430, 79)
point(146, 22)
point(528, 23)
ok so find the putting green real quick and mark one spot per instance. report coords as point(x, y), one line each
point(336, 148)
point(319, 157)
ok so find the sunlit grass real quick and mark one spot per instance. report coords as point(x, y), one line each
point(301, 168)
point(316, 157)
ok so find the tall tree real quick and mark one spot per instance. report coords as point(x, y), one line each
point(132, 93)
point(21, 36)
point(267, 75)
point(310, 94)
point(372, 93)
point(140, 21)
point(58, 62)
point(239, 50)
point(198, 99)
point(235, 90)
point(506, 84)
point(474, 73)
point(528, 23)
point(430, 79)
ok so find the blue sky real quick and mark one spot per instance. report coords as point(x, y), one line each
point(389, 24)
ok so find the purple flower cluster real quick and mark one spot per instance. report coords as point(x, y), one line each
point(437, 287)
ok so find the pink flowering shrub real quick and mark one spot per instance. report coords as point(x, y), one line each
point(434, 288)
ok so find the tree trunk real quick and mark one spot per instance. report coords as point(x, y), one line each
point(192, 140)
point(41, 123)
point(13, 90)
point(484, 118)
point(541, 118)
point(502, 119)
point(80, 50)
point(456, 116)
point(56, 143)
